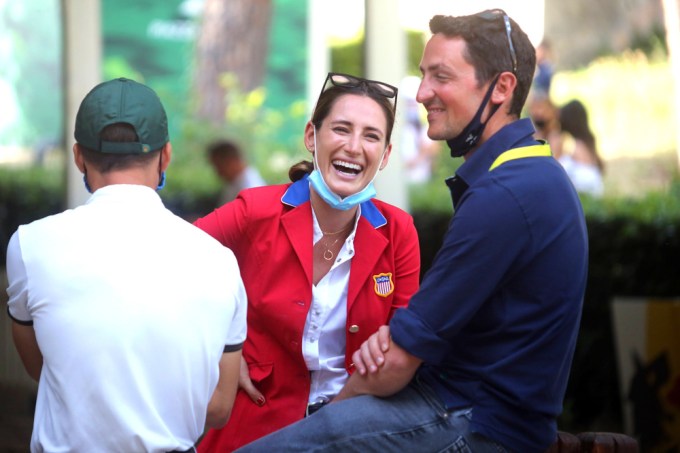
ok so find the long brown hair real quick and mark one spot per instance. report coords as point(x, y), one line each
point(574, 120)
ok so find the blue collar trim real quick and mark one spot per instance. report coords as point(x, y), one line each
point(298, 193)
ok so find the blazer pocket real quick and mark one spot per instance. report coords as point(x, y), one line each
point(260, 371)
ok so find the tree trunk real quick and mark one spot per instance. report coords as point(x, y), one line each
point(233, 39)
point(671, 14)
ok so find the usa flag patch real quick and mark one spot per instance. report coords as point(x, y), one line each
point(384, 286)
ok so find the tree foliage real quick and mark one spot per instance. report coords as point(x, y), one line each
point(233, 39)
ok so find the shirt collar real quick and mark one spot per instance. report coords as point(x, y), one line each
point(139, 193)
point(298, 193)
point(513, 135)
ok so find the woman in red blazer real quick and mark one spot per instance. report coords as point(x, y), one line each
point(324, 264)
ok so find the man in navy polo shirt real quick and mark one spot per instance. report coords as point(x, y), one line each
point(479, 361)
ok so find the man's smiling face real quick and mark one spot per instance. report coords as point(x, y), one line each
point(449, 89)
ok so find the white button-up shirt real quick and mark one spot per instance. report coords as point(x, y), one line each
point(323, 340)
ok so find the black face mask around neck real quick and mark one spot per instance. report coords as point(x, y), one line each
point(463, 142)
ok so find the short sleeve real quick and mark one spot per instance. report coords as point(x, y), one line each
point(17, 290)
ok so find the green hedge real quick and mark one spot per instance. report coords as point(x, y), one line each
point(26, 195)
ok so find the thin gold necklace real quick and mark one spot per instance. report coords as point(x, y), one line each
point(328, 254)
point(325, 233)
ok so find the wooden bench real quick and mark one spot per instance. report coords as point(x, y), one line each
point(565, 443)
point(593, 442)
point(607, 442)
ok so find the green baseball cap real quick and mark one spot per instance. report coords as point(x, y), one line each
point(122, 101)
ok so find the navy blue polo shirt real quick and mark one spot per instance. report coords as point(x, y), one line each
point(496, 317)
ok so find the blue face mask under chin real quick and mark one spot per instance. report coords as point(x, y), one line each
point(331, 198)
point(334, 200)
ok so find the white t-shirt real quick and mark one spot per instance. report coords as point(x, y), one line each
point(585, 177)
point(132, 308)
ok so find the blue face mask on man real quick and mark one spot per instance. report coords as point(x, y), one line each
point(331, 198)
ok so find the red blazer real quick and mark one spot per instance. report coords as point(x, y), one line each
point(270, 231)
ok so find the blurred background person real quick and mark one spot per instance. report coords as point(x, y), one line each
point(417, 149)
point(579, 150)
point(233, 169)
point(544, 69)
point(540, 106)
point(545, 116)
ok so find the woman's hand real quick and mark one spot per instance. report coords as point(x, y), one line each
point(370, 356)
point(382, 368)
point(247, 385)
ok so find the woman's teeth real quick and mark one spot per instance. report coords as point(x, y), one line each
point(347, 167)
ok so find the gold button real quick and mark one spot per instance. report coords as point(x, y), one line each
point(354, 328)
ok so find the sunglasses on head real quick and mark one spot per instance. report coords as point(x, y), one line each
point(349, 81)
point(493, 14)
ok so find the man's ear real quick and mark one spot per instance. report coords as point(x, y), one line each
point(78, 158)
point(505, 87)
point(166, 156)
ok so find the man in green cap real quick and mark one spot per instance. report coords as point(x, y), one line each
point(130, 319)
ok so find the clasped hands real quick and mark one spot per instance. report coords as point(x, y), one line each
point(378, 353)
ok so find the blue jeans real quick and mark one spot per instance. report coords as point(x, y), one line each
point(413, 420)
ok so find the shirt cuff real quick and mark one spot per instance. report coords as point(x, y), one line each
point(19, 321)
point(417, 338)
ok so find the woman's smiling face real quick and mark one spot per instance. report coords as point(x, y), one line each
point(350, 144)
